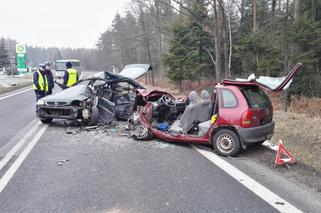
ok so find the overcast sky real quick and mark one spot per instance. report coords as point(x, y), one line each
point(58, 23)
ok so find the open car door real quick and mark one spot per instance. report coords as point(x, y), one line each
point(272, 84)
point(105, 108)
point(134, 71)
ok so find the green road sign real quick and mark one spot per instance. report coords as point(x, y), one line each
point(21, 62)
point(21, 58)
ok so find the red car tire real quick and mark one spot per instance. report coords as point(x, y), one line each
point(226, 142)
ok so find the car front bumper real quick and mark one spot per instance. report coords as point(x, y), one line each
point(256, 134)
point(63, 112)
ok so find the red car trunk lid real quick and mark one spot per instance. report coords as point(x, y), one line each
point(260, 110)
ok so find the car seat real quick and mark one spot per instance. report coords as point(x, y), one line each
point(204, 127)
point(188, 118)
point(204, 107)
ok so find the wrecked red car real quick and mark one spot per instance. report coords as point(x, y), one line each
point(238, 113)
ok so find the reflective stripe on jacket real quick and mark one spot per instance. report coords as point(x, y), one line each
point(42, 83)
point(72, 77)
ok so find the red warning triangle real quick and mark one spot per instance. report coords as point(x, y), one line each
point(282, 151)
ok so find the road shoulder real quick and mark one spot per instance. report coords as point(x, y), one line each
point(298, 184)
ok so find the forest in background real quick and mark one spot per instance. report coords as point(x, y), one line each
point(196, 40)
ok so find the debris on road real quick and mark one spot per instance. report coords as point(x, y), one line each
point(62, 161)
point(114, 128)
point(89, 128)
point(279, 203)
point(69, 132)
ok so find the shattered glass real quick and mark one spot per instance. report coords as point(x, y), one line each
point(271, 82)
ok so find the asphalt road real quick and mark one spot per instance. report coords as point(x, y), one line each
point(111, 173)
point(16, 112)
point(104, 171)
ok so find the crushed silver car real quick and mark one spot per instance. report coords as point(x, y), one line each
point(105, 95)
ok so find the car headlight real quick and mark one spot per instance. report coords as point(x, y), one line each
point(40, 102)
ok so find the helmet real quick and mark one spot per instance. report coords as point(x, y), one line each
point(41, 67)
point(68, 64)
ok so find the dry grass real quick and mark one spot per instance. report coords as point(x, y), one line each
point(308, 106)
point(301, 135)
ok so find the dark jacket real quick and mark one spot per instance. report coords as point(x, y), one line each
point(50, 78)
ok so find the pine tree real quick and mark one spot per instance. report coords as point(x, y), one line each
point(199, 41)
point(257, 50)
point(187, 58)
point(178, 57)
point(307, 34)
point(4, 57)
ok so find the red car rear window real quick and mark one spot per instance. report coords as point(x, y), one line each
point(256, 98)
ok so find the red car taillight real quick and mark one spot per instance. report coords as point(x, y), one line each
point(246, 120)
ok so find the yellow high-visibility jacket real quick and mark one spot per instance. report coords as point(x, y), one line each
point(72, 77)
point(42, 82)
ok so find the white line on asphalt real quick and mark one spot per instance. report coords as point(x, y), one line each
point(264, 193)
point(16, 148)
point(17, 93)
point(15, 166)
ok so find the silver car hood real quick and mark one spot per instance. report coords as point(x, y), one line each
point(77, 92)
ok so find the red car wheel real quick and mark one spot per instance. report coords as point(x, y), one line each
point(226, 142)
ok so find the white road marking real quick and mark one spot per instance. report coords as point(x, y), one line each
point(17, 93)
point(16, 148)
point(264, 193)
point(17, 163)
